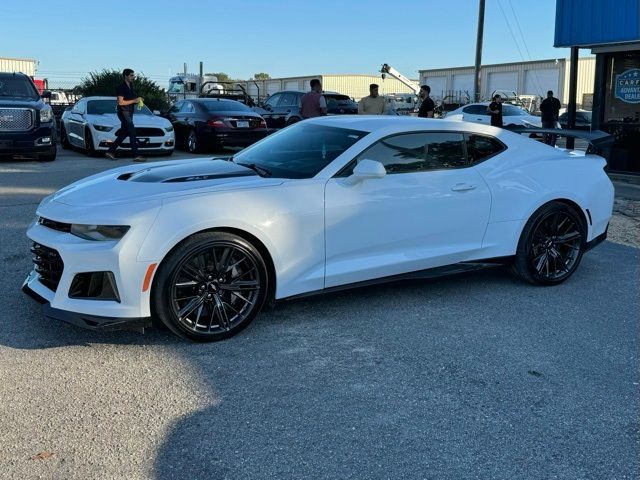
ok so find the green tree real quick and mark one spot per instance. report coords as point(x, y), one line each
point(261, 76)
point(222, 77)
point(106, 82)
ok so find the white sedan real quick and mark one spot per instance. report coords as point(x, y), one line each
point(92, 124)
point(511, 115)
point(325, 204)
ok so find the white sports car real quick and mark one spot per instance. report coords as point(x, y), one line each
point(511, 115)
point(92, 124)
point(325, 204)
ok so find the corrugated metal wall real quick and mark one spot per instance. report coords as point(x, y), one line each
point(25, 66)
point(586, 80)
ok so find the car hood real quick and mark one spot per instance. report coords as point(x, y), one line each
point(159, 180)
point(111, 119)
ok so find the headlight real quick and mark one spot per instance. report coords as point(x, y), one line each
point(169, 128)
point(99, 232)
point(46, 115)
point(102, 128)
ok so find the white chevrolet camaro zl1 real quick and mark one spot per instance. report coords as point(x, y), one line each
point(325, 204)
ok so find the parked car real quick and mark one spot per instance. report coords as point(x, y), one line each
point(324, 204)
point(210, 123)
point(283, 108)
point(477, 113)
point(583, 120)
point(27, 124)
point(92, 125)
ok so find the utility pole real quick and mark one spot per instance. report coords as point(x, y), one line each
point(200, 80)
point(476, 81)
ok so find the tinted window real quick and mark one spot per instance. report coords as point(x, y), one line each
point(339, 101)
point(17, 86)
point(475, 110)
point(418, 152)
point(301, 150)
point(101, 107)
point(79, 107)
point(513, 111)
point(480, 147)
point(225, 106)
point(288, 100)
point(273, 100)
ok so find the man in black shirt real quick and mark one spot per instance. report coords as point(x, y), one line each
point(550, 109)
point(126, 102)
point(495, 110)
point(427, 107)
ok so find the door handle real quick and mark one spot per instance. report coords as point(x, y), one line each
point(462, 187)
point(478, 118)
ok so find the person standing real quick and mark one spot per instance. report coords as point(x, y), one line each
point(550, 109)
point(373, 104)
point(428, 106)
point(313, 104)
point(126, 101)
point(495, 110)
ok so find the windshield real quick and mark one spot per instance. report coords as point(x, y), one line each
point(301, 150)
point(225, 106)
point(17, 86)
point(100, 107)
point(339, 100)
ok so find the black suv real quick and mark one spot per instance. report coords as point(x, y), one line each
point(27, 124)
point(283, 108)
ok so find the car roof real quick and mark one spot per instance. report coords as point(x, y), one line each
point(13, 74)
point(212, 99)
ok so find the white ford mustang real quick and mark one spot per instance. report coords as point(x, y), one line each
point(321, 205)
point(92, 124)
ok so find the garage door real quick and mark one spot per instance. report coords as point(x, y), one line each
point(273, 87)
point(463, 83)
point(502, 81)
point(291, 85)
point(538, 82)
point(438, 86)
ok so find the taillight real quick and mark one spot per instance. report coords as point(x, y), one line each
point(216, 123)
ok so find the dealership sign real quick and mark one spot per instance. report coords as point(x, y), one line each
point(628, 86)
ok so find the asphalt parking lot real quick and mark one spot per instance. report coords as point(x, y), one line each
point(469, 377)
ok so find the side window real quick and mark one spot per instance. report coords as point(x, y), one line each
point(418, 152)
point(187, 107)
point(468, 110)
point(79, 108)
point(481, 147)
point(273, 100)
point(288, 100)
point(176, 108)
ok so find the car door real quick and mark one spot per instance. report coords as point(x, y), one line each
point(476, 114)
point(430, 209)
point(269, 110)
point(174, 116)
point(287, 109)
point(76, 123)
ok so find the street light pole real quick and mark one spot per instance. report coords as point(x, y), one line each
point(476, 82)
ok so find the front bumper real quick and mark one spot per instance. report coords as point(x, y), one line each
point(84, 320)
point(37, 141)
point(165, 143)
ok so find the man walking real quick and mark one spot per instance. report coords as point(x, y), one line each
point(372, 104)
point(313, 104)
point(495, 110)
point(126, 102)
point(427, 107)
point(550, 109)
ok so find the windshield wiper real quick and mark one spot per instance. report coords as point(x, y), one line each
point(263, 172)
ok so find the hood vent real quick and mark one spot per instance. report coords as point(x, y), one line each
point(188, 172)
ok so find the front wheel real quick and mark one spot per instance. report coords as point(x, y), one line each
point(210, 287)
point(193, 144)
point(88, 143)
point(551, 245)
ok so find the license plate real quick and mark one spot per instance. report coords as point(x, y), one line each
point(242, 124)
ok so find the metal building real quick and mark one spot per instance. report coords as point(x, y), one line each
point(24, 65)
point(524, 78)
point(355, 86)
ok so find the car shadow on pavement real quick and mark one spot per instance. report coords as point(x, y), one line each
point(455, 377)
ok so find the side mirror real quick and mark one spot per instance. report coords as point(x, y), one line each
point(366, 170)
point(46, 94)
point(156, 112)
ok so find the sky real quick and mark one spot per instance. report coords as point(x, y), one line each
point(282, 38)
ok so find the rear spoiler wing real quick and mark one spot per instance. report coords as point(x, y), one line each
point(599, 142)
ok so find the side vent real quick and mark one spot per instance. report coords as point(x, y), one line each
point(126, 176)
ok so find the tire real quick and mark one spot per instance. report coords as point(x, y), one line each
point(292, 120)
point(64, 139)
point(88, 143)
point(193, 143)
point(551, 245)
point(48, 158)
point(210, 287)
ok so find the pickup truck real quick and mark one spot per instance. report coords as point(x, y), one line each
point(27, 123)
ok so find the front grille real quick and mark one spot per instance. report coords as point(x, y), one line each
point(149, 132)
point(16, 119)
point(48, 265)
point(52, 224)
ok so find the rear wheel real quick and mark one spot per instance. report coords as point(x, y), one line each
point(210, 287)
point(64, 139)
point(551, 245)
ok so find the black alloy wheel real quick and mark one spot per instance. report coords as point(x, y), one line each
point(551, 246)
point(64, 139)
point(211, 287)
point(88, 143)
point(193, 145)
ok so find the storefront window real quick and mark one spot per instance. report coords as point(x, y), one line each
point(622, 89)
